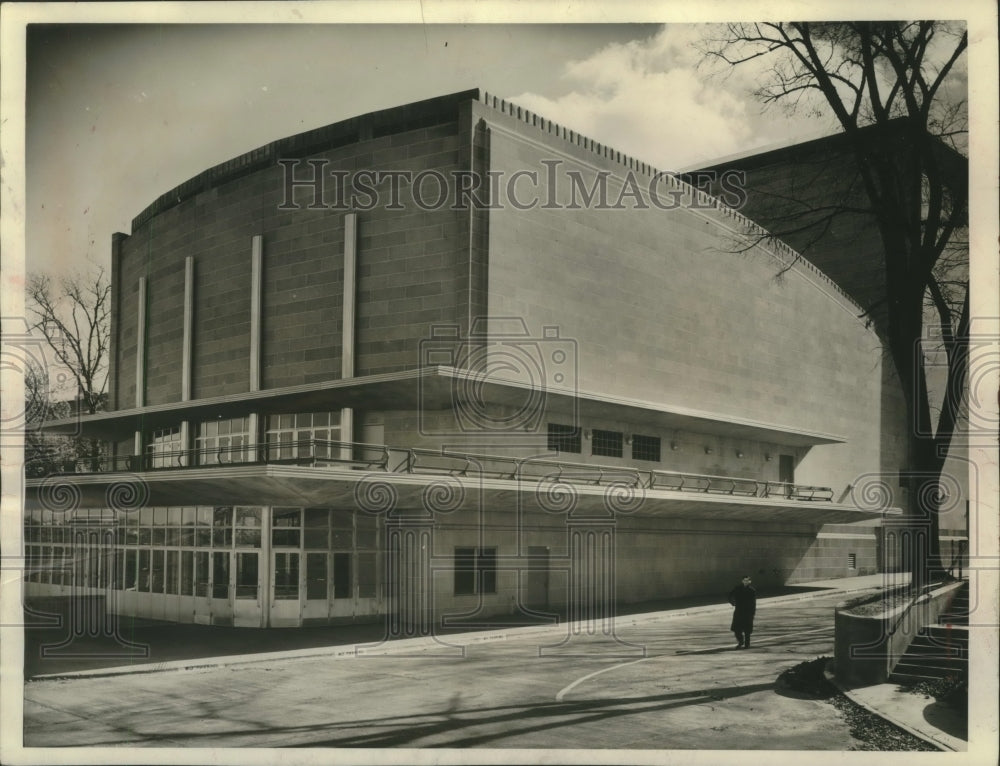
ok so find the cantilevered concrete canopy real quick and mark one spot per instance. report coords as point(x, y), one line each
point(436, 388)
point(382, 492)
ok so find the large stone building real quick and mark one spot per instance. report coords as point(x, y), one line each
point(450, 360)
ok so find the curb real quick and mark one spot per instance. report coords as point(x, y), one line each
point(399, 647)
point(927, 737)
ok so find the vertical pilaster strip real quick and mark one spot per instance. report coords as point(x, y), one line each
point(188, 329)
point(254, 430)
point(350, 306)
point(256, 286)
point(186, 351)
point(114, 384)
point(140, 351)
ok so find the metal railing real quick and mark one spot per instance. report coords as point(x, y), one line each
point(416, 460)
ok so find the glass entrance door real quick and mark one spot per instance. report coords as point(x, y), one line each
point(285, 588)
point(246, 590)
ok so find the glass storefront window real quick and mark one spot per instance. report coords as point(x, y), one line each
point(158, 571)
point(342, 530)
point(173, 571)
point(143, 571)
point(247, 538)
point(316, 532)
point(201, 573)
point(131, 580)
point(286, 523)
point(367, 530)
point(367, 575)
point(248, 516)
point(187, 573)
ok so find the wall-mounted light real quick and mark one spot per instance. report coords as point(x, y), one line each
point(767, 457)
point(586, 434)
point(628, 439)
point(708, 450)
point(739, 453)
point(674, 446)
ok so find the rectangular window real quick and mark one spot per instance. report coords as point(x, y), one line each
point(606, 443)
point(563, 438)
point(341, 575)
point(131, 581)
point(119, 570)
point(164, 448)
point(342, 530)
point(187, 573)
point(367, 531)
point(646, 448)
point(303, 435)
point(475, 571)
point(223, 441)
point(367, 575)
point(317, 529)
point(158, 570)
point(201, 580)
point(222, 527)
point(144, 571)
point(173, 570)
point(286, 527)
point(316, 576)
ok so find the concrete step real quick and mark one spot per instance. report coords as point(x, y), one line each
point(911, 679)
point(938, 650)
point(950, 633)
point(937, 665)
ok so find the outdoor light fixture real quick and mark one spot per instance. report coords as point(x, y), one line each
point(739, 453)
point(767, 457)
point(708, 450)
point(628, 439)
point(673, 446)
point(586, 434)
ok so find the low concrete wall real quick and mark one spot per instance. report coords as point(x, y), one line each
point(867, 647)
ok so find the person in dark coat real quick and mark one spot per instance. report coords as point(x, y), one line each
point(744, 598)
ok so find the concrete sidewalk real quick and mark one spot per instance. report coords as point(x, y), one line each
point(909, 711)
point(220, 647)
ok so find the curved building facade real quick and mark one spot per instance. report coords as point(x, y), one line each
point(451, 360)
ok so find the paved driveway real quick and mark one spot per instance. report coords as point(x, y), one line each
point(691, 691)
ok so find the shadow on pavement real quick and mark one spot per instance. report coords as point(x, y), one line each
point(464, 727)
point(948, 720)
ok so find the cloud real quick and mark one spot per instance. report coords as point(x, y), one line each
point(650, 99)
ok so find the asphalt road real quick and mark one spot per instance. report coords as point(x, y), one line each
point(692, 690)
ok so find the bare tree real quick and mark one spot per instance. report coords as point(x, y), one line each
point(73, 315)
point(882, 81)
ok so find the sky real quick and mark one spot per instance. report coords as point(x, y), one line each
point(116, 115)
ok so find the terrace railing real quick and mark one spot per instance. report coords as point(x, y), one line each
point(415, 460)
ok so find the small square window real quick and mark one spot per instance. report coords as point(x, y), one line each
point(646, 448)
point(563, 438)
point(475, 571)
point(607, 443)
